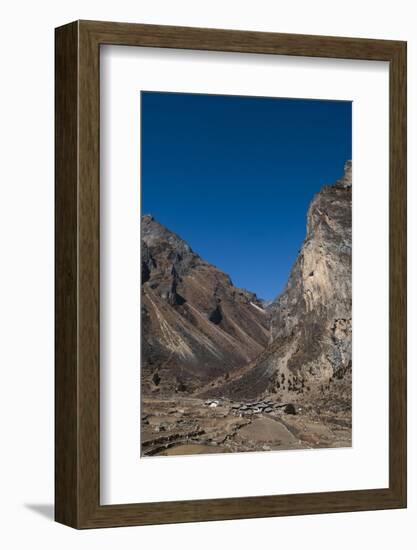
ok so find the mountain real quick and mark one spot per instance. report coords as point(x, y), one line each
point(309, 350)
point(196, 326)
point(223, 371)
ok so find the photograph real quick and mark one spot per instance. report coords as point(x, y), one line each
point(246, 274)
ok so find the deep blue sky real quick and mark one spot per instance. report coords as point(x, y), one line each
point(234, 176)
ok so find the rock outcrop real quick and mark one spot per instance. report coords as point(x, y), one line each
point(310, 346)
point(196, 326)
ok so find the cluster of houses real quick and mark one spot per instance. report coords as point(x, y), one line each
point(243, 409)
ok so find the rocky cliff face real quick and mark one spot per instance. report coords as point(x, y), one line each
point(309, 350)
point(196, 325)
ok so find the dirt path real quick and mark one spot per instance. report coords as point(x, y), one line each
point(269, 432)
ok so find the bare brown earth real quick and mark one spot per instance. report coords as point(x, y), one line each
point(195, 426)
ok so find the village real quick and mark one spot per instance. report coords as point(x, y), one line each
point(195, 426)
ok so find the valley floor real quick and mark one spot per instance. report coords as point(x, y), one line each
point(189, 425)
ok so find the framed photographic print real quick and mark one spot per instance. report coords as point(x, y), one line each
point(230, 274)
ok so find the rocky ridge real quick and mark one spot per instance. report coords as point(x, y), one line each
point(196, 325)
point(311, 321)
